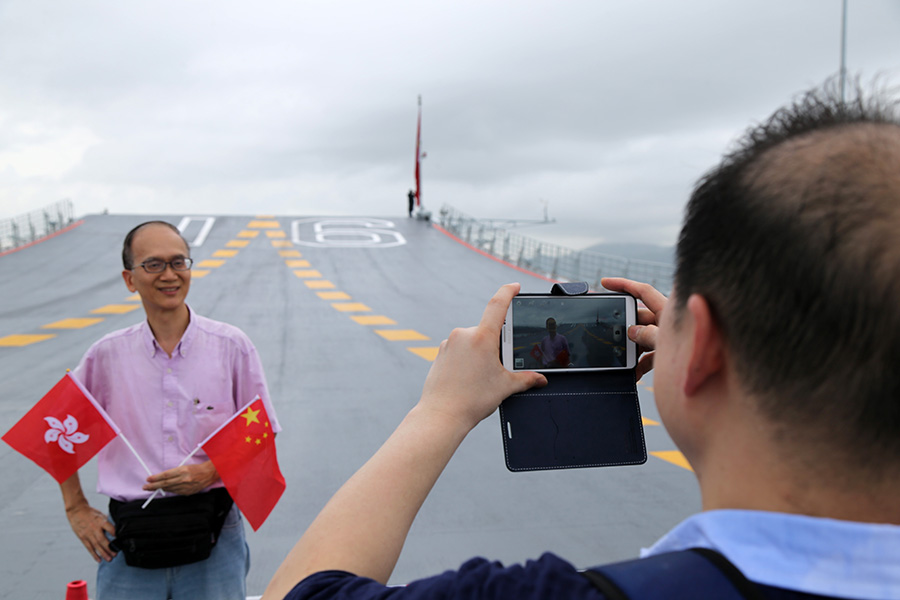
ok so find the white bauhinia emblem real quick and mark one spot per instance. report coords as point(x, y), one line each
point(66, 434)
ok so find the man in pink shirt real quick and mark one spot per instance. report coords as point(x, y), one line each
point(554, 347)
point(168, 383)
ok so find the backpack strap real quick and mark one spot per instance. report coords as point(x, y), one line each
point(683, 575)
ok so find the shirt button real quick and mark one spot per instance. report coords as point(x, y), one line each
point(170, 438)
point(169, 404)
point(168, 370)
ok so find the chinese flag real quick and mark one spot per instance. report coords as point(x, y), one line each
point(243, 451)
point(64, 430)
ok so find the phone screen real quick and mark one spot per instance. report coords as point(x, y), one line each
point(569, 332)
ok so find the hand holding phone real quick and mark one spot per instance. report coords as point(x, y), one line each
point(588, 332)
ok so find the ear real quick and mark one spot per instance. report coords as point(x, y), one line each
point(707, 349)
point(128, 276)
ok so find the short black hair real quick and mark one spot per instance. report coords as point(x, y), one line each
point(793, 242)
point(128, 255)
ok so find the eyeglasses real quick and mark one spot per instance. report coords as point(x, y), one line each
point(158, 266)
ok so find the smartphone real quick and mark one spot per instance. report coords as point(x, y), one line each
point(546, 332)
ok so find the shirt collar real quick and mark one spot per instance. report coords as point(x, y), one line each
point(798, 552)
point(151, 345)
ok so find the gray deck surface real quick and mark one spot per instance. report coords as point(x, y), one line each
point(339, 389)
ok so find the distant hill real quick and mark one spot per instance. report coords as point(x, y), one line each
point(662, 254)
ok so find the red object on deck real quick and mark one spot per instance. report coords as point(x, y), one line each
point(77, 590)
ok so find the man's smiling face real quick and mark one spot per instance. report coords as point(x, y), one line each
point(163, 291)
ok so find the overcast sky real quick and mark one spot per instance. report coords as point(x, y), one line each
point(605, 111)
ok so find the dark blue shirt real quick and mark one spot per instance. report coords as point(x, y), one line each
point(547, 577)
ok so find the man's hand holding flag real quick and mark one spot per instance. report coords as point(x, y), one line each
point(243, 451)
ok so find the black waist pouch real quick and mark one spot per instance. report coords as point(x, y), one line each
point(172, 531)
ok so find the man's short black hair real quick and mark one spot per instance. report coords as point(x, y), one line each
point(794, 240)
point(128, 255)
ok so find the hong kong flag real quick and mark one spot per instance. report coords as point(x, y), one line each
point(64, 430)
point(243, 452)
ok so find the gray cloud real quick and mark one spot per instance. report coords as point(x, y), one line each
point(607, 111)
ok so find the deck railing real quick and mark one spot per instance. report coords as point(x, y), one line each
point(551, 260)
point(24, 229)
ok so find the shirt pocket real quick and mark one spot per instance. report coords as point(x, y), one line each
point(209, 409)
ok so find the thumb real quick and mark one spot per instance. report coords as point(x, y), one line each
point(108, 527)
point(526, 380)
point(643, 335)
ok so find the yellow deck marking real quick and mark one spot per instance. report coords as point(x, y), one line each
point(333, 295)
point(72, 323)
point(264, 217)
point(276, 234)
point(401, 335)
point(248, 234)
point(210, 262)
point(427, 353)
point(319, 284)
point(225, 253)
point(308, 273)
point(199, 273)
point(289, 253)
point(115, 309)
point(133, 298)
point(281, 244)
point(296, 262)
point(351, 307)
point(373, 320)
point(237, 244)
point(25, 339)
point(646, 421)
point(675, 457)
point(263, 225)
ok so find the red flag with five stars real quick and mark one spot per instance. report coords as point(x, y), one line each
point(243, 452)
point(64, 430)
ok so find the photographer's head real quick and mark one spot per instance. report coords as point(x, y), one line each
point(793, 242)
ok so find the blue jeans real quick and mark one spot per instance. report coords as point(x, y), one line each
point(221, 576)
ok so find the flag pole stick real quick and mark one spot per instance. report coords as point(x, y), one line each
point(159, 491)
point(136, 455)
